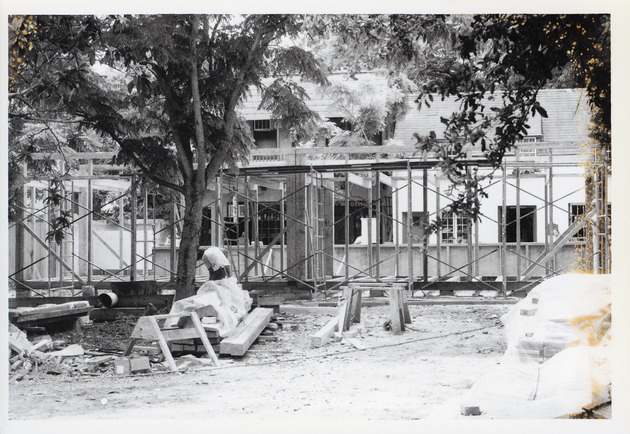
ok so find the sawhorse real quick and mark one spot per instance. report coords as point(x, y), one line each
point(188, 327)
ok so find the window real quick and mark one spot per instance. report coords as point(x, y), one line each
point(265, 134)
point(576, 211)
point(418, 222)
point(455, 229)
point(357, 210)
point(527, 224)
point(263, 125)
point(268, 221)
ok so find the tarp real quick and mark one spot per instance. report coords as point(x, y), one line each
point(221, 298)
point(558, 354)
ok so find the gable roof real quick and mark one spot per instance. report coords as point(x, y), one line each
point(568, 117)
point(321, 100)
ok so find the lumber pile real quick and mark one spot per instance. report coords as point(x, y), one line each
point(49, 313)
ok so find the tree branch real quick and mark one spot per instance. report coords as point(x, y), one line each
point(183, 151)
point(194, 85)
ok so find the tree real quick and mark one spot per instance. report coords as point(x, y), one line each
point(493, 64)
point(177, 121)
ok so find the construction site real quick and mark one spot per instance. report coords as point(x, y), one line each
point(334, 276)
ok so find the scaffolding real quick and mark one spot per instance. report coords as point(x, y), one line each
point(277, 221)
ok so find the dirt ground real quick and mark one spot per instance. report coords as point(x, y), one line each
point(397, 377)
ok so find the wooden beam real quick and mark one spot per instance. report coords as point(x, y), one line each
point(246, 332)
point(359, 180)
point(355, 309)
point(396, 314)
point(344, 309)
point(324, 334)
point(204, 338)
point(386, 179)
point(267, 183)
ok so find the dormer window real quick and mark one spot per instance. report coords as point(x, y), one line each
point(263, 125)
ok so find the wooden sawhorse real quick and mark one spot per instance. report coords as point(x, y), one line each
point(188, 327)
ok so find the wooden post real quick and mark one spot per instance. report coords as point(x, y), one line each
point(369, 234)
point(405, 306)
point(410, 227)
point(396, 314)
point(247, 220)
point(90, 218)
point(379, 208)
point(425, 221)
point(282, 225)
point(355, 309)
point(19, 227)
point(396, 228)
point(296, 234)
point(346, 223)
point(328, 230)
point(134, 229)
point(345, 307)
point(145, 233)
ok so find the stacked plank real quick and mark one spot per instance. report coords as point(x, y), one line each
point(236, 344)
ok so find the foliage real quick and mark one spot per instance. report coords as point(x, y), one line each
point(164, 89)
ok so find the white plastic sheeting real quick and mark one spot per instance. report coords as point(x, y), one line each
point(221, 298)
point(558, 356)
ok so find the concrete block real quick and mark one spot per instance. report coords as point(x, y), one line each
point(139, 364)
point(122, 366)
point(469, 410)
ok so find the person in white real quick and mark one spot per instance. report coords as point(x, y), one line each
point(216, 262)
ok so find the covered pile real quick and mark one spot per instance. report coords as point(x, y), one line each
point(557, 363)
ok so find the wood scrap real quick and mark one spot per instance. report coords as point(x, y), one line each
point(18, 341)
point(324, 334)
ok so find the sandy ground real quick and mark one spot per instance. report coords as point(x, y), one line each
point(398, 377)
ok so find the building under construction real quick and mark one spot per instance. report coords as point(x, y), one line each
point(313, 218)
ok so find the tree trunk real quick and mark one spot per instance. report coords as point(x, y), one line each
point(189, 243)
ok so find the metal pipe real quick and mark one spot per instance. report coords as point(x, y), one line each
point(504, 232)
point(518, 219)
point(438, 214)
point(409, 226)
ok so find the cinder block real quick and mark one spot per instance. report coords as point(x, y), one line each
point(139, 364)
point(177, 347)
point(122, 366)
